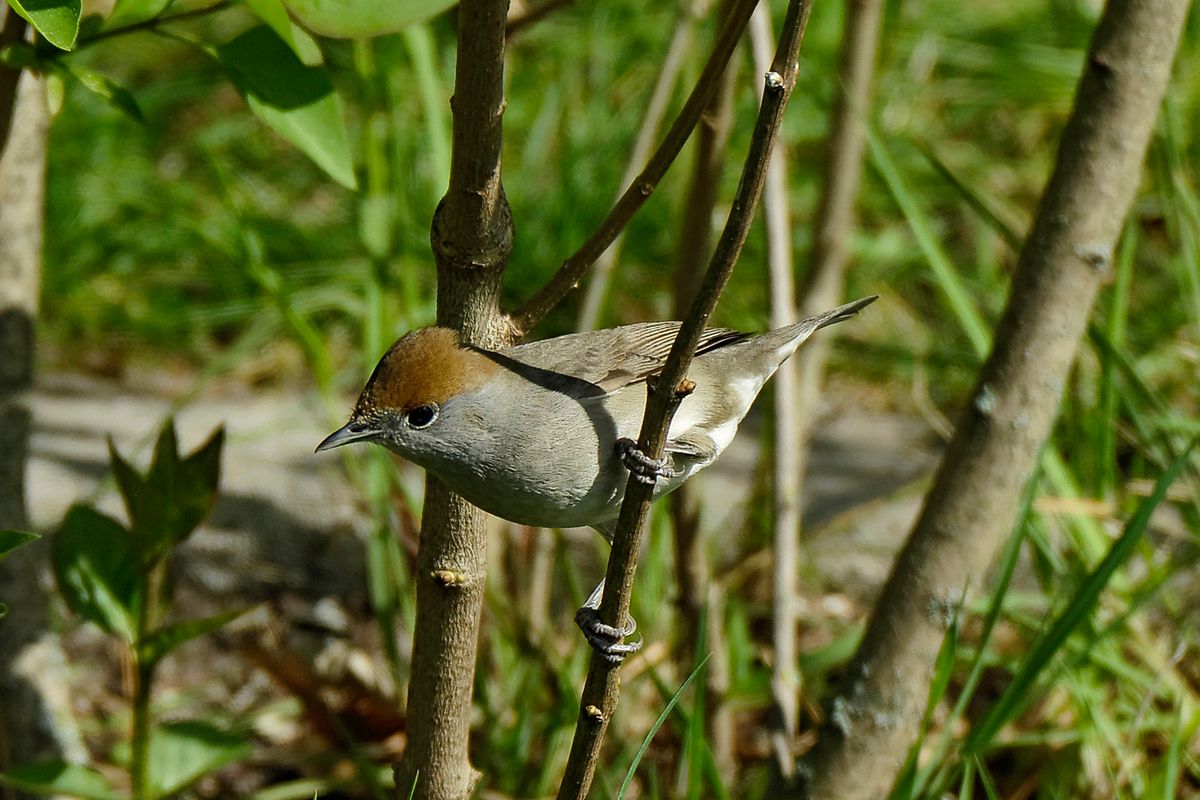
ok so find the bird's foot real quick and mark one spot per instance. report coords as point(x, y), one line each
point(644, 468)
point(605, 639)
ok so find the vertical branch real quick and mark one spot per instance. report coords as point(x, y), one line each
point(26, 723)
point(600, 692)
point(785, 678)
point(692, 570)
point(975, 494)
point(797, 384)
point(472, 238)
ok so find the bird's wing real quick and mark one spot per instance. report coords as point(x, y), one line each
point(616, 357)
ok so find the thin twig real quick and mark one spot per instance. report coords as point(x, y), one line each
point(697, 596)
point(568, 275)
point(152, 24)
point(593, 297)
point(785, 679)
point(517, 24)
point(600, 691)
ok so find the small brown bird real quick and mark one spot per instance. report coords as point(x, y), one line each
point(544, 433)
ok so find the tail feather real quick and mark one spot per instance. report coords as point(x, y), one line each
point(792, 336)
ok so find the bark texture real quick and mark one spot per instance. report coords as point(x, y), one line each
point(975, 496)
point(472, 239)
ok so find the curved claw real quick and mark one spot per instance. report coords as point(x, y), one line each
point(645, 469)
point(606, 639)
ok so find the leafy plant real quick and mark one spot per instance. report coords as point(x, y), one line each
point(115, 577)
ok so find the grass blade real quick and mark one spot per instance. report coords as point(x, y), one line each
point(658, 723)
point(1017, 694)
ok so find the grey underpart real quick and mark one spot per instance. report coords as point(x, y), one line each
point(605, 639)
point(643, 468)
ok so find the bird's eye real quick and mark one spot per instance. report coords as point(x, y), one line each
point(422, 416)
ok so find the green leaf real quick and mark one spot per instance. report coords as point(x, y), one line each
point(130, 12)
point(274, 14)
point(658, 723)
point(56, 20)
point(59, 778)
point(11, 540)
point(166, 639)
point(98, 570)
point(298, 101)
point(104, 87)
point(355, 19)
point(174, 496)
point(3, 610)
point(182, 752)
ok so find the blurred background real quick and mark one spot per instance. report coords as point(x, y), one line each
point(197, 264)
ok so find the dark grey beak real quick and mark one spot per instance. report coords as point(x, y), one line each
point(350, 432)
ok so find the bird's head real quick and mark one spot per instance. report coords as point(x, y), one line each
point(413, 397)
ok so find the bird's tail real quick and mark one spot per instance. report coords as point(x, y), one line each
point(791, 337)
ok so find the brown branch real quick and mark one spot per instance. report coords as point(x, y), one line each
point(600, 691)
point(975, 496)
point(593, 297)
point(472, 238)
point(698, 599)
point(568, 275)
point(785, 678)
point(517, 24)
point(798, 383)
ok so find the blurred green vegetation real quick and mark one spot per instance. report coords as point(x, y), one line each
point(198, 236)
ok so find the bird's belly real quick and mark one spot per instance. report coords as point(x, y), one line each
point(562, 502)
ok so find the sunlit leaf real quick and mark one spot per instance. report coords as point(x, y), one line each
point(182, 752)
point(56, 20)
point(298, 101)
point(164, 640)
point(173, 497)
point(274, 14)
point(98, 570)
point(106, 88)
point(11, 540)
point(59, 778)
point(356, 19)
point(129, 12)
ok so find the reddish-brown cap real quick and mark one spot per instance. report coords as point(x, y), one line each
point(429, 365)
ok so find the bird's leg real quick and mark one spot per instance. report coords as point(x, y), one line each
point(605, 639)
point(644, 468)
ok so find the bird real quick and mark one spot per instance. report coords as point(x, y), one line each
point(544, 433)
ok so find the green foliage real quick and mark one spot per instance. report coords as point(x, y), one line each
point(113, 576)
point(355, 19)
point(295, 99)
point(100, 571)
point(183, 752)
point(167, 503)
point(59, 778)
point(56, 20)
